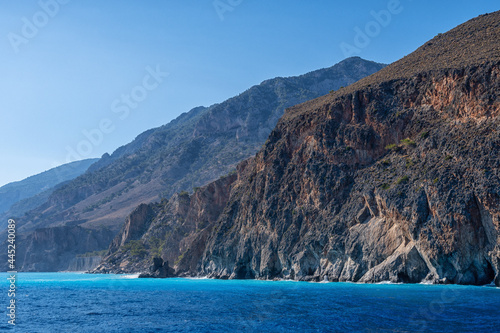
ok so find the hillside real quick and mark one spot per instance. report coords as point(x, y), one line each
point(394, 178)
point(197, 147)
point(19, 197)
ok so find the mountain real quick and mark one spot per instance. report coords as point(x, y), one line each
point(19, 197)
point(393, 178)
point(197, 147)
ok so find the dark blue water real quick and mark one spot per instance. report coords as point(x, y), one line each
point(68, 302)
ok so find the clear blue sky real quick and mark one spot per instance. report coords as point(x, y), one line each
point(65, 70)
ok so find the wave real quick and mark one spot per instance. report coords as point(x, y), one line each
point(130, 276)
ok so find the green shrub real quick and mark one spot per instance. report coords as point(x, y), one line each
point(135, 247)
point(408, 142)
point(179, 258)
point(424, 134)
point(393, 147)
point(385, 186)
point(403, 179)
point(101, 253)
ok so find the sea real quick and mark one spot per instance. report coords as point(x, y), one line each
point(77, 302)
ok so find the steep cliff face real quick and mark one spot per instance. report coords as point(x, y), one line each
point(84, 264)
point(135, 226)
point(394, 178)
point(158, 235)
point(326, 198)
point(53, 249)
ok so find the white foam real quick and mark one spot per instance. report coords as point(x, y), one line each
point(130, 276)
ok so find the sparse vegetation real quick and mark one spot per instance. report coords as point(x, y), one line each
point(179, 258)
point(403, 179)
point(409, 163)
point(408, 142)
point(92, 254)
point(424, 134)
point(393, 147)
point(385, 186)
point(135, 247)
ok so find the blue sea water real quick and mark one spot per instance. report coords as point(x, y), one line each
point(72, 302)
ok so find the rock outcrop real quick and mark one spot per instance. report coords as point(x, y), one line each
point(159, 269)
point(164, 232)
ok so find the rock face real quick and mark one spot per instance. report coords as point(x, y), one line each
point(157, 234)
point(137, 223)
point(84, 264)
point(394, 178)
point(159, 269)
point(55, 249)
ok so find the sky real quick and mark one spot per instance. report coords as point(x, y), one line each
point(80, 78)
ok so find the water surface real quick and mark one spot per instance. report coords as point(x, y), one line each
point(72, 302)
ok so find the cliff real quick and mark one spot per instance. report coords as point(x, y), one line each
point(55, 249)
point(394, 178)
point(157, 235)
point(84, 264)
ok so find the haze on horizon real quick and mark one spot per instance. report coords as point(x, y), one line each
point(71, 69)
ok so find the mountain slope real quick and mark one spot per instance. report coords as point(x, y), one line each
point(36, 189)
point(394, 178)
point(190, 151)
point(197, 147)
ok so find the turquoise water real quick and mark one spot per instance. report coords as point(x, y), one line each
point(70, 302)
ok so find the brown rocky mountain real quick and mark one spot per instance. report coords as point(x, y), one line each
point(194, 149)
point(394, 178)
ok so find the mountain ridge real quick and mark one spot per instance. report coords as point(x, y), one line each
point(17, 198)
point(190, 151)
